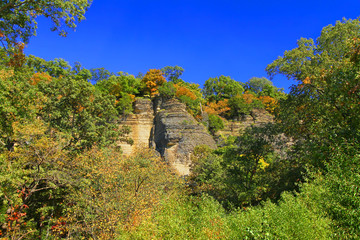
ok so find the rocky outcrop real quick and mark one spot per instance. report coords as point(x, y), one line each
point(168, 128)
point(141, 123)
point(177, 133)
point(174, 133)
point(256, 118)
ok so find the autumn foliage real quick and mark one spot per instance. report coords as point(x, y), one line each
point(269, 103)
point(184, 91)
point(248, 97)
point(40, 77)
point(152, 80)
point(217, 108)
point(17, 56)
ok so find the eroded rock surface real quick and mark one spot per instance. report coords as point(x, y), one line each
point(236, 127)
point(172, 131)
point(141, 123)
point(177, 133)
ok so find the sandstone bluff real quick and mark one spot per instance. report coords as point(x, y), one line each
point(167, 127)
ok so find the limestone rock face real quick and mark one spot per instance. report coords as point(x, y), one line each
point(256, 118)
point(141, 123)
point(171, 130)
point(177, 133)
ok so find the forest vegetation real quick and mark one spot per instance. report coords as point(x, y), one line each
point(62, 175)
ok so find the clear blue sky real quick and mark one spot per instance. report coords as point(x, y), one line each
point(206, 38)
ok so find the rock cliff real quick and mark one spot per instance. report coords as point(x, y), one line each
point(237, 126)
point(168, 128)
point(141, 123)
point(177, 133)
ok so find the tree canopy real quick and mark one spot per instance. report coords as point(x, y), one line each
point(221, 87)
point(323, 107)
point(173, 74)
point(18, 17)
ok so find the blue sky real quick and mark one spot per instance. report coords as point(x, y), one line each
point(206, 38)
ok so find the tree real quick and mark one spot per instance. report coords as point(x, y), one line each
point(18, 17)
point(74, 107)
point(269, 103)
point(239, 173)
point(257, 85)
point(99, 74)
point(123, 88)
point(173, 74)
point(263, 87)
point(246, 163)
point(215, 123)
point(35, 182)
point(114, 193)
point(321, 111)
point(152, 80)
point(56, 68)
point(218, 88)
point(243, 104)
point(19, 101)
point(167, 90)
point(218, 108)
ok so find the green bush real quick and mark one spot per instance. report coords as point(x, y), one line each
point(167, 90)
point(292, 218)
point(182, 217)
point(338, 193)
point(215, 123)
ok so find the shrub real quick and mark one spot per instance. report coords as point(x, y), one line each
point(167, 90)
point(292, 218)
point(215, 123)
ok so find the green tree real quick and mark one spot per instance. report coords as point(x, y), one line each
point(99, 74)
point(264, 87)
point(245, 165)
point(115, 85)
point(257, 85)
point(321, 111)
point(173, 74)
point(74, 107)
point(218, 88)
point(215, 123)
point(167, 90)
point(238, 106)
point(56, 68)
point(19, 102)
point(123, 88)
point(18, 17)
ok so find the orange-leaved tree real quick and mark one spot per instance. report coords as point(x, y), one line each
point(218, 108)
point(152, 80)
point(40, 76)
point(184, 91)
point(269, 103)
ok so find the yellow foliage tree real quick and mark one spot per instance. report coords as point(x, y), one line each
point(248, 97)
point(40, 77)
point(152, 80)
point(219, 108)
point(119, 193)
point(184, 91)
point(269, 103)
